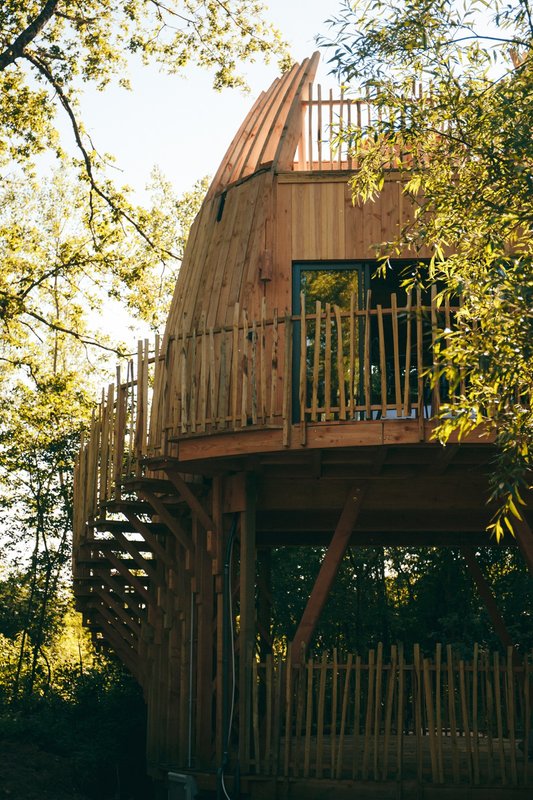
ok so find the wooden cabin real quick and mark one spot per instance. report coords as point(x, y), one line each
point(289, 402)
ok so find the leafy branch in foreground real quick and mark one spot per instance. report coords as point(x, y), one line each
point(465, 151)
point(63, 264)
point(49, 51)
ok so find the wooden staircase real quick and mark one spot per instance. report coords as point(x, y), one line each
point(145, 584)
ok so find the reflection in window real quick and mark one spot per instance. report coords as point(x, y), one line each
point(360, 363)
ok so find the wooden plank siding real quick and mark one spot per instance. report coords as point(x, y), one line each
point(291, 219)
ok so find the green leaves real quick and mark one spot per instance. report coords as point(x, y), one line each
point(63, 265)
point(465, 150)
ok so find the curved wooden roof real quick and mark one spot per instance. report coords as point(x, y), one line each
point(235, 225)
point(269, 134)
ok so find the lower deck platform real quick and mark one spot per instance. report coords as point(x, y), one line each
point(485, 769)
point(171, 570)
point(326, 789)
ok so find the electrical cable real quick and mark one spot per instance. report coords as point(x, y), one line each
point(227, 719)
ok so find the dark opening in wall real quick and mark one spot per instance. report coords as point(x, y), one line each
point(221, 205)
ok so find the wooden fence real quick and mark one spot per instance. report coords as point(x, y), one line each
point(439, 720)
point(277, 371)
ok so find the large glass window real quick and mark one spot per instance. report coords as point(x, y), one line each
point(360, 363)
point(333, 355)
point(333, 286)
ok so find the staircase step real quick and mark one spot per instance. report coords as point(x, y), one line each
point(124, 526)
point(151, 484)
point(104, 562)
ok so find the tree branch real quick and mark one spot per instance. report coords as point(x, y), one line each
point(75, 334)
point(65, 102)
point(16, 50)
point(245, 30)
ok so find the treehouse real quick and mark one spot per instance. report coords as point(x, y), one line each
point(290, 401)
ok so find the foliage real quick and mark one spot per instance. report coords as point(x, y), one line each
point(61, 276)
point(75, 251)
point(465, 149)
point(167, 221)
point(61, 260)
point(389, 595)
point(66, 270)
point(90, 711)
point(75, 703)
point(49, 49)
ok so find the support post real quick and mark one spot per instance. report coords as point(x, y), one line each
point(328, 569)
point(218, 555)
point(247, 620)
point(204, 598)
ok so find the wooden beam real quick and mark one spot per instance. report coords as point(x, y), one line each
point(288, 138)
point(150, 539)
point(376, 522)
point(328, 569)
point(443, 459)
point(204, 598)
point(125, 632)
point(379, 460)
point(524, 537)
point(310, 538)
point(320, 435)
point(218, 564)
point(485, 592)
point(192, 501)
point(122, 635)
point(126, 653)
point(264, 600)
point(137, 556)
point(133, 580)
point(119, 610)
point(430, 494)
point(165, 516)
point(130, 599)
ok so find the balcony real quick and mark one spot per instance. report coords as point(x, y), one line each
point(336, 377)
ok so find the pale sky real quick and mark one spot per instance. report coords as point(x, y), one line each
point(181, 124)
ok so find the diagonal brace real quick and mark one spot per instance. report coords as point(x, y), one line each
point(192, 501)
point(485, 592)
point(167, 518)
point(150, 538)
point(328, 569)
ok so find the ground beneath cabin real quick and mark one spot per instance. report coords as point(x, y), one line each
point(30, 772)
point(27, 772)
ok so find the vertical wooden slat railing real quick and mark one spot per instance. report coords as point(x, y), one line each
point(324, 118)
point(347, 380)
point(357, 364)
point(116, 443)
point(385, 719)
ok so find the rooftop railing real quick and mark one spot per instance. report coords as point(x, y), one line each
point(325, 117)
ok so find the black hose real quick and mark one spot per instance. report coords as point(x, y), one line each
point(226, 589)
